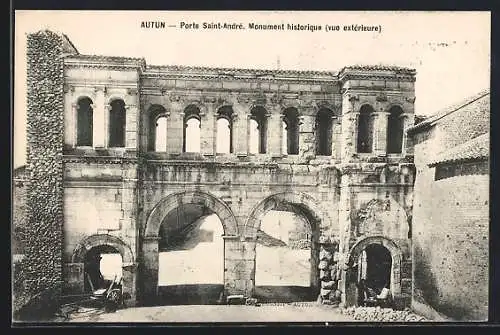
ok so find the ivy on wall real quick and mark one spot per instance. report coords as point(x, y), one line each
point(45, 137)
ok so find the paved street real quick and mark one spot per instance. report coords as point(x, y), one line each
point(213, 313)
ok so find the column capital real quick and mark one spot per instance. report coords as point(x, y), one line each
point(404, 115)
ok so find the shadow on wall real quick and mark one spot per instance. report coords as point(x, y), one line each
point(426, 292)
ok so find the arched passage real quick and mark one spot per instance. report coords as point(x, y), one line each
point(376, 246)
point(150, 247)
point(308, 217)
point(98, 244)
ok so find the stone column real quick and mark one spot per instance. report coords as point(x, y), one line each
point(131, 127)
point(336, 132)
point(207, 131)
point(240, 130)
point(274, 131)
point(407, 122)
point(175, 129)
point(307, 142)
point(380, 133)
point(100, 120)
point(73, 130)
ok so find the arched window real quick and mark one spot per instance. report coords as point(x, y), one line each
point(117, 124)
point(395, 131)
point(291, 133)
point(253, 145)
point(192, 125)
point(365, 129)
point(284, 143)
point(157, 134)
point(224, 130)
point(84, 122)
point(324, 132)
point(161, 134)
point(258, 130)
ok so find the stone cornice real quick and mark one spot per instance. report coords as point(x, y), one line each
point(99, 159)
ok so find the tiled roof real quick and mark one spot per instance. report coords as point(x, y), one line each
point(431, 120)
point(476, 148)
point(397, 69)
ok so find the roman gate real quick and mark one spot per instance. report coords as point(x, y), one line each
point(150, 154)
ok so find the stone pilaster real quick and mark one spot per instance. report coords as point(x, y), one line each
point(274, 131)
point(175, 129)
point(73, 130)
point(307, 147)
point(344, 230)
point(208, 131)
point(407, 120)
point(336, 133)
point(131, 127)
point(240, 131)
point(380, 133)
point(100, 120)
point(349, 137)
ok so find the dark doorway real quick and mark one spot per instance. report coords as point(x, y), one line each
point(376, 264)
point(103, 264)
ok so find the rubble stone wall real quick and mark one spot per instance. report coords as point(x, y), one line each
point(44, 161)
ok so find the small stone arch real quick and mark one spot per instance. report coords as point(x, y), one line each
point(308, 206)
point(350, 293)
point(325, 104)
point(290, 103)
point(129, 266)
point(115, 97)
point(202, 108)
point(223, 104)
point(175, 200)
point(102, 239)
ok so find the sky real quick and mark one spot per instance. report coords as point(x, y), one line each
point(449, 50)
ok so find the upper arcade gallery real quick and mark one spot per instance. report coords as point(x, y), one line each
point(177, 110)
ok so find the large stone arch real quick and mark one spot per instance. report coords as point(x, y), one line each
point(150, 240)
point(129, 265)
point(349, 295)
point(306, 204)
point(299, 203)
point(175, 200)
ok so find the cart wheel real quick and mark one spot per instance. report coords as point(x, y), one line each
point(114, 297)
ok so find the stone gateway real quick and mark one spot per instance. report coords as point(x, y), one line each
point(126, 158)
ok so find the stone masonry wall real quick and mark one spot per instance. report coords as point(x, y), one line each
point(45, 145)
point(450, 232)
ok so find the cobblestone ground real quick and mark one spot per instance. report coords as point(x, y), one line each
point(294, 312)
